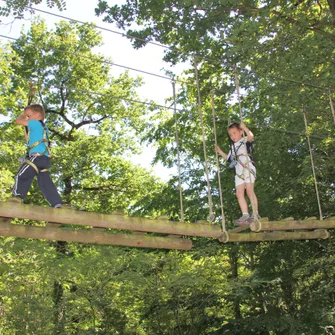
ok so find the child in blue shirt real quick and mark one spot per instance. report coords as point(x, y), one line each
point(38, 157)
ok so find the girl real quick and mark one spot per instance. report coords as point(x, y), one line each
point(240, 156)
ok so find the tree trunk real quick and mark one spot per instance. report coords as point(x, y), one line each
point(59, 309)
point(233, 254)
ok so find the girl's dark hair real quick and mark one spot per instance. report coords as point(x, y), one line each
point(234, 125)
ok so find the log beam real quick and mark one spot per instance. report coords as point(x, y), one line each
point(98, 236)
point(290, 224)
point(275, 236)
point(239, 229)
point(101, 220)
point(162, 225)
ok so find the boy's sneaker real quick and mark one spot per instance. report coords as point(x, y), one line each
point(251, 217)
point(16, 199)
point(58, 206)
point(244, 219)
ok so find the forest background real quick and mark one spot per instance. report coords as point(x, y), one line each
point(284, 53)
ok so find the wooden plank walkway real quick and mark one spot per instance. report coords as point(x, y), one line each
point(91, 227)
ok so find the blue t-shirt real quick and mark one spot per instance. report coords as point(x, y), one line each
point(36, 131)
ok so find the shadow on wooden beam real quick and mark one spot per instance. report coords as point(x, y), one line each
point(92, 236)
point(101, 220)
point(291, 224)
point(274, 236)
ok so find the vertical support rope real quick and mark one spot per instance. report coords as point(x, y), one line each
point(32, 92)
point(178, 152)
point(238, 91)
point(31, 97)
point(203, 142)
point(331, 104)
point(252, 199)
point(218, 165)
point(312, 162)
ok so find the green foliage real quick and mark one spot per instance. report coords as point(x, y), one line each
point(86, 114)
point(269, 288)
point(282, 54)
point(258, 288)
point(17, 8)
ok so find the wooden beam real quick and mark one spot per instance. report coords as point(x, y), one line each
point(239, 229)
point(68, 216)
point(275, 236)
point(92, 236)
point(290, 224)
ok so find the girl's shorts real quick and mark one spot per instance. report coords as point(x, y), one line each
point(248, 177)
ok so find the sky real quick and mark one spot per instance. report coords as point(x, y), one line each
point(119, 49)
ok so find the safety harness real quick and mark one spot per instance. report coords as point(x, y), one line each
point(238, 160)
point(47, 150)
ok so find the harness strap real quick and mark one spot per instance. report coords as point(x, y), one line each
point(44, 140)
point(248, 155)
point(241, 176)
point(37, 143)
point(27, 161)
point(245, 166)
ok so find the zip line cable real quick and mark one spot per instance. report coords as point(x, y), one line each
point(176, 80)
point(178, 152)
point(214, 62)
point(312, 163)
point(109, 30)
point(127, 99)
point(102, 28)
point(289, 132)
point(297, 82)
point(153, 104)
point(211, 61)
point(105, 62)
point(164, 77)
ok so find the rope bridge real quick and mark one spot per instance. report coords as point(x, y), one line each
point(66, 224)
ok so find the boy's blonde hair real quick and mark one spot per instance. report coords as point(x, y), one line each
point(36, 108)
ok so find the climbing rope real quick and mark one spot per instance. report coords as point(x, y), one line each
point(178, 152)
point(312, 162)
point(223, 224)
point(331, 104)
point(204, 142)
point(32, 92)
point(238, 91)
point(31, 96)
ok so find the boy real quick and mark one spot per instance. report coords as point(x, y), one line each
point(37, 161)
point(239, 156)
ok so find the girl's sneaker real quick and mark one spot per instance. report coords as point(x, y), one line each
point(251, 217)
point(244, 219)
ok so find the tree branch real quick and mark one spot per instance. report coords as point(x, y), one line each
point(296, 22)
point(82, 123)
point(60, 135)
